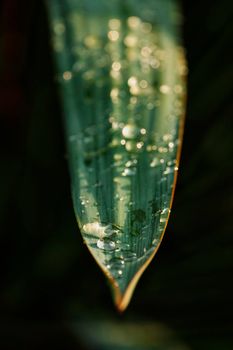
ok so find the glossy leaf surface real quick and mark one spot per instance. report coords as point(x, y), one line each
point(121, 69)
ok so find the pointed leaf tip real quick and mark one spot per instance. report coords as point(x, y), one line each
point(122, 77)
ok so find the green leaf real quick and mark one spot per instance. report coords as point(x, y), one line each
point(121, 69)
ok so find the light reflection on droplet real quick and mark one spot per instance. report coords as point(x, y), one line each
point(115, 74)
point(131, 163)
point(59, 28)
point(140, 145)
point(146, 51)
point(131, 40)
point(143, 131)
point(114, 93)
point(167, 137)
point(113, 35)
point(130, 131)
point(135, 90)
point(116, 66)
point(114, 23)
point(162, 220)
point(162, 149)
point(154, 63)
point(130, 146)
point(155, 162)
point(133, 22)
point(116, 273)
point(133, 100)
point(155, 241)
point(106, 244)
point(128, 255)
point(146, 27)
point(143, 84)
point(132, 81)
point(165, 211)
point(129, 172)
point(67, 75)
point(165, 89)
point(178, 89)
point(91, 41)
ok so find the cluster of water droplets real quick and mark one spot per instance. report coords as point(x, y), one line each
point(107, 238)
point(120, 146)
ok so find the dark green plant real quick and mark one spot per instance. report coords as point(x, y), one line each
point(121, 69)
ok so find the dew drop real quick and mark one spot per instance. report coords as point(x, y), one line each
point(113, 35)
point(67, 75)
point(140, 145)
point(116, 273)
point(164, 89)
point(133, 22)
point(116, 263)
point(146, 27)
point(128, 255)
point(106, 244)
point(114, 23)
point(165, 211)
point(110, 230)
point(91, 41)
point(155, 241)
point(162, 220)
point(129, 172)
point(132, 81)
point(155, 162)
point(130, 146)
point(124, 246)
point(100, 230)
point(130, 40)
point(168, 170)
point(143, 131)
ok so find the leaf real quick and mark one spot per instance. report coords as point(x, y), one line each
point(121, 70)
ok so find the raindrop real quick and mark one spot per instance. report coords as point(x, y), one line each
point(124, 246)
point(143, 131)
point(155, 241)
point(133, 22)
point(100, 230)
point(129, 172)
point(106, 244)
point(162, 220)
point(116, 263)
point(116, 273)
point(114, 23)
point(110, 230)
point(128, 255)
point(168, 170)
point(140, 145)
point(59, 28)
point(131, 163)
point(155, 162)
point(130, 146)
point(130, 131)
point(67, 75)
point(165, 211)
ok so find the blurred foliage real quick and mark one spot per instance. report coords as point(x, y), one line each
point(52, 294)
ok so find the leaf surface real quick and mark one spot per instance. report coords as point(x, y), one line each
point(121, 69)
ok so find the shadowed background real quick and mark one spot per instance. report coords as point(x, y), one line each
point(52, 292)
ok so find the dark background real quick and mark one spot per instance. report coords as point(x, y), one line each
point(52, 292)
